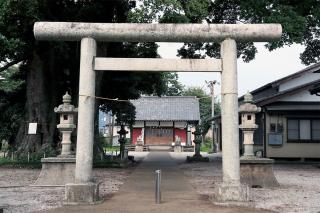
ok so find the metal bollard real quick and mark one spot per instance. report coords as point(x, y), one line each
point(28, 157)
point(158, 186)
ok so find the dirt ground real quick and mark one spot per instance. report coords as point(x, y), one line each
point(16, 194)
point(299, 189)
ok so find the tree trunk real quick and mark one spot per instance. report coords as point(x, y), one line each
point(41, 99)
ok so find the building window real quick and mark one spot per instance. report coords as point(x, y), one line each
point(272, 127)
point(315, 129)
point(303, 130)
point(276, 128)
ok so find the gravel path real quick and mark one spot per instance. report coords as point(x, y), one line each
point(299, 189)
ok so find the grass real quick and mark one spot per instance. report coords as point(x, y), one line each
point(112, 148)
point(36, 163)
point(207, 145)
point(20, 163)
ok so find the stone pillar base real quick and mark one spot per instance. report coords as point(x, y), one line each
point(56, 171)
point(232, 193)
point(139, 148)
point(82, 193)
point(257, 172)
point(177, 149)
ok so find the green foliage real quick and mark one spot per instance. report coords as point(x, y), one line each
point(21, 162)
point(300, 21)
point(173, 86)
point(196, 10)
point(112, 148)
point(205, 106)
point(11, 103)
point(155, 10)
point(206, 145)
point(53, 67)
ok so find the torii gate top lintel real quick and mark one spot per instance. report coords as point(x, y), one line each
point(134, 32)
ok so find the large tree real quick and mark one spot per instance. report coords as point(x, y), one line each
point(300, 21)
point(51, 68)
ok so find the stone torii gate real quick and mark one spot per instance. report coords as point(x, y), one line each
point(84, 190)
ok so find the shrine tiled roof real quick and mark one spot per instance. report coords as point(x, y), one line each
point(167, 108)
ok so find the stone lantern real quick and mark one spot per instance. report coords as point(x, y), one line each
point(67, 113)
point(60, 170)
point(197, 141)
point(248, 123)
point(197, 157)
point(254, 171)
point(122, 141)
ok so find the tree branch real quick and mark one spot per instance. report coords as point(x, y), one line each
point(9, 64)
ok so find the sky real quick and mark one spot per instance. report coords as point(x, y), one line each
point(265, 68)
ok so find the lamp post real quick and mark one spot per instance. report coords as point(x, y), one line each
point(215, 145)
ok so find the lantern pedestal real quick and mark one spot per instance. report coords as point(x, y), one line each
point(56, 171)
point(177, 148)
point(138, 148)
point(257, 172)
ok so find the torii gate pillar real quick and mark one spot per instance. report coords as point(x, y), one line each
point(231, 189)
point(85, 190)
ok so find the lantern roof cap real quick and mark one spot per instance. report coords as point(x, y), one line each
point(66, 98)
point(66, 107)
point(248, 98)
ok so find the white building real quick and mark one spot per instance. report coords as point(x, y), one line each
point(289, 123)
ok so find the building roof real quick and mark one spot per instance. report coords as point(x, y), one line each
point(277, 96)
point(313, 68)
point(270, 92)
point(167, 108)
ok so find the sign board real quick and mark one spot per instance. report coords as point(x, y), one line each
point(32, 130)
point(275, 139)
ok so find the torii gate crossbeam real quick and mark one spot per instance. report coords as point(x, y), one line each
point(83, 190)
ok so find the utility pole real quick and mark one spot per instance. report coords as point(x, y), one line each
point(214, 143)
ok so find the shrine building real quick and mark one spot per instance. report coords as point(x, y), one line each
point(165, 120)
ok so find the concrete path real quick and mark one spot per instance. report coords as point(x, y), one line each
point(137, 195)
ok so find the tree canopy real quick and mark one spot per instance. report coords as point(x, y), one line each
point(300, 21)
point(51, 68)
point(204, 105)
